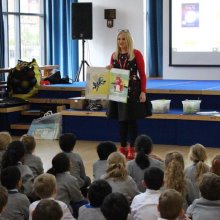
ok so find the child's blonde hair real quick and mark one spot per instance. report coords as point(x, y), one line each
point(45, 185)
point(174, 177)
point(198, 154)
point(29, 143)
point(116, 166)
point(5, 140)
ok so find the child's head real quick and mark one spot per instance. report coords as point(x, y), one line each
point(153, 178)
point(210, 186)
point(5, 140)
point(29, 143)
point(3, 198)
point(174, 156)
point(216, 165)
point(105, 148)
point(170, 204)
point(115, 206)
point(47, 209)
point(11, 177)
point(197, 153)
point(174, 177)
point(67, 142)
point(60, 164)
point(98, 190)
point(14, 154)
point(143, 145)
point(45, 185)
point(116, 166)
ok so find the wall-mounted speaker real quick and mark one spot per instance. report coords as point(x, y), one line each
point(82, 20)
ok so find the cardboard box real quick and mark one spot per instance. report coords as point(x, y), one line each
point(79, 103)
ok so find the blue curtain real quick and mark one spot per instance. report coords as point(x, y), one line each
point(155, 38)
point(2, 45)
point(61, 49)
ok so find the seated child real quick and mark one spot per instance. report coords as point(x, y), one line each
point(47, 209)
point(170, 205)
point(68, 190)
point(208, 206)
point(14, 157)
point(104, 149)
point(18, 203)
point(115, 206)
point(117, 176)
point(98, 190)
point(31, 160)
point(3, 200)
point(45, 187)
point(5, 140)
point(194, 172)
point(145, 158)
point(144, 205)
point(67, 143)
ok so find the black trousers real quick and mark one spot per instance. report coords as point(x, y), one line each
point(127, 129)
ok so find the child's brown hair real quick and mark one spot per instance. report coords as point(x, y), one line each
point(5, 140)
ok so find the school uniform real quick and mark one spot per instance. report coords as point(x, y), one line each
point(128, 187)
point(190, 174)
point(68, 189)
point(138, 174)
point(17, 206)
point(66, 212)
point(27, 178)
point(203, 209)
point(99, 168)
point(77, 168)
point(88, 212)
point(144, 205)
point(35, 163)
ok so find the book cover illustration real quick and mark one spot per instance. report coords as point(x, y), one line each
point(118, 88)
point(102, 83)
point(97, 83)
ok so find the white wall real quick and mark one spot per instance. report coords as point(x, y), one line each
point(197, 73)
point(130, 14)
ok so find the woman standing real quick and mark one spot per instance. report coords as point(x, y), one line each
point(126, 57)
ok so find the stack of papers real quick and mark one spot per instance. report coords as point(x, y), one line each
point(207, 113)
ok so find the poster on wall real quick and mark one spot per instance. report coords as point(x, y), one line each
point(102, 83)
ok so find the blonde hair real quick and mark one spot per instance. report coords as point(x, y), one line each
point(174, 177)
point(45, 185)
point(116, 166)
point(29, 143)
point(216, 165)
point(198, 155)
point(5, 140)
point(129, 42)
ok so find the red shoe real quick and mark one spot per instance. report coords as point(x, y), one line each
point(123, 150)
point(131, 153)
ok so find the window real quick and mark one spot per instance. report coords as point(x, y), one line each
point(24, 31)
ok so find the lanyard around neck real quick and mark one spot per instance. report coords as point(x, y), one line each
point(124, 64)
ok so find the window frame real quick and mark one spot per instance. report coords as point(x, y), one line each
point(18, 14)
